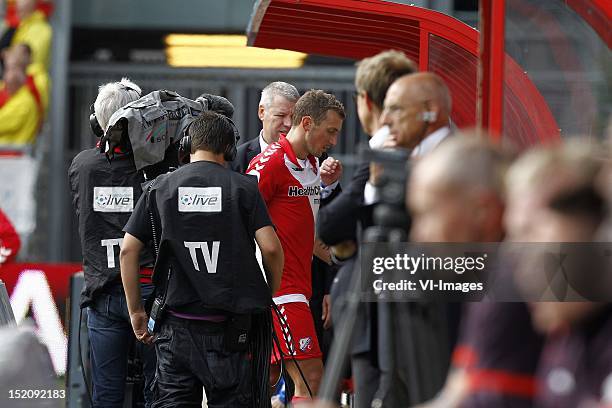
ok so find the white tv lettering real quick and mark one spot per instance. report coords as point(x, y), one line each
point(110, 249)
point(210, 260)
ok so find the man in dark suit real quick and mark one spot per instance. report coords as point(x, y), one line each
point(338, 222)
point(275, 112)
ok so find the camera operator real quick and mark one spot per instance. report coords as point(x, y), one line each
point(103, 196)
point(206, 219)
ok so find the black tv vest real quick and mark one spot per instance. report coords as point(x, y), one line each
point(103, 196)
point(206, 216)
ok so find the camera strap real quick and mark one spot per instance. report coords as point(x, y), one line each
point(159, 302)
point(156, 240)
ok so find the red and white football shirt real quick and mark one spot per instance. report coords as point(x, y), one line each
point(291, 189)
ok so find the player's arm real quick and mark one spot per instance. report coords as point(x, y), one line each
point(272, 256)
point(130, 269)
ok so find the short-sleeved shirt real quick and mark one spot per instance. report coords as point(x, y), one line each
point(291, 190)
point(203, 201)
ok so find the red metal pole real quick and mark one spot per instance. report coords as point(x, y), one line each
point(424, 50)
point(491, 67)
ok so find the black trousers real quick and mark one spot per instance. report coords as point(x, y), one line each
point(191, 355)
point(366, 379)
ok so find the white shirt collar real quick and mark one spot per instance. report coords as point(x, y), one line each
point(262, 143)
point(431, 141)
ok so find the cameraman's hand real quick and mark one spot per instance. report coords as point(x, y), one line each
point(139, 325)
point(331, 171)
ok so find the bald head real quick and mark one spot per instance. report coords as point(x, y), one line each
point(415, 106)
point(465, 162)
point(463, 172)
point(426, 87)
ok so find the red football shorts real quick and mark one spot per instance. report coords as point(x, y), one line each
point(296, 333)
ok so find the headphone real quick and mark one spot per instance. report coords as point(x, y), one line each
point(93, 120)
point(229, 154)
point(429, 116)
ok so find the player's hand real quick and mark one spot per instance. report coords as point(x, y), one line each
point(326, 316)
point(331, 171)
point(139, 325)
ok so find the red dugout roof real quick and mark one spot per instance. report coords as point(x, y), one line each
point(441, 44)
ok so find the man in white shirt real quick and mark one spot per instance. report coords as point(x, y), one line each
point(417, 113)
point(416, 109)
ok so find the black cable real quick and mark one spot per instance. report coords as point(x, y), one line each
point(275, 344)
point(260, 349)
point(81, 360)
point(284, 374)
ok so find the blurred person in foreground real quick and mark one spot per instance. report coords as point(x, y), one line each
point(495, 359)
point(103, 196)
point(20, 111)
point(339, 222)
point(290, 179)
point(552, 197)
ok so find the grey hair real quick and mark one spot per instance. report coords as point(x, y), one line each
point(278, 88)
point(112, 96)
